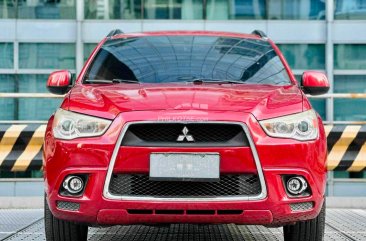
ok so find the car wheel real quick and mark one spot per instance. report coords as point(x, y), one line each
point(60, 230)
point(310, 230)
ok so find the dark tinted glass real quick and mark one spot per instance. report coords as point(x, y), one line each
point(319, 105)
point(7, 9)
point(112, 9)
point(296, 9)
point(349, 56)
point(184, 58)
point(235, 9)
point(349, 84)
point(304, 56)
point(173, 9)
point(6, 55)
point(88, 50)
point(46, 9)
point(267, 9)
point(350, 9)
point(26, 108)
point(47, 56)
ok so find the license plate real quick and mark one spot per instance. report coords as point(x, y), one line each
point(185, 167)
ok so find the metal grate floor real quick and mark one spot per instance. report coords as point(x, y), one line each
point(341, 224)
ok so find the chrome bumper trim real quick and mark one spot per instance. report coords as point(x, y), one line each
point(260, 196)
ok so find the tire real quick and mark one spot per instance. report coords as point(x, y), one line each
point(310, 230)
point(60, 230)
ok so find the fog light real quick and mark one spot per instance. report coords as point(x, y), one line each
point(73, 184)
point(296, 185)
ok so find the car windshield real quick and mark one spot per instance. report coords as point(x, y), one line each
point(162, 59)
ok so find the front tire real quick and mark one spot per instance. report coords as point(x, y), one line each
point(310, 230)
point(60, 230)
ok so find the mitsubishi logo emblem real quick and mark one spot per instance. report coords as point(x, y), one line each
point(185, 135)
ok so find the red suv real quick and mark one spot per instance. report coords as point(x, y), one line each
point(185, 127)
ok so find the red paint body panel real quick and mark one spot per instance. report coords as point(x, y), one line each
point(246, 104)
point(263, 101)
point(113, 216)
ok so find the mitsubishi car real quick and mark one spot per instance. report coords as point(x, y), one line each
point(191, 127)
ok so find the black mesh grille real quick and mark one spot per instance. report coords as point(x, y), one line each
point(204, 134)
point(228, 186)
point(68, 206)
point(301, 206)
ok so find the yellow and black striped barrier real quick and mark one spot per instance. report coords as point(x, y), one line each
point(21, 147)
point(346, 147)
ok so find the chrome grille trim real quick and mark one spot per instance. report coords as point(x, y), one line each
point(260, 196)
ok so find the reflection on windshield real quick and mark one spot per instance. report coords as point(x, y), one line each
point(159, 59)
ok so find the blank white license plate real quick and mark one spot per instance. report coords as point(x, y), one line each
point(185, 166)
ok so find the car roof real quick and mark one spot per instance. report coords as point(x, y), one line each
point(187, 33)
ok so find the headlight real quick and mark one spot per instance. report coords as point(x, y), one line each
point(69, 125)
point(302, 126)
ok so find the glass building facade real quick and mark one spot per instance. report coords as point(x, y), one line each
point(40, 36)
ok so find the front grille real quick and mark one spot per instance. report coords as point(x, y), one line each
point(203, 134)
point(139, 185)
point(301, 206)
point(71, 206)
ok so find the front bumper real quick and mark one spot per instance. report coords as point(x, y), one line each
point(277, 157)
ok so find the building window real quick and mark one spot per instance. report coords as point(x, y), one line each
point(235, 9)
point(37, 108)
point(6, 55)
point(47, 9)
point(349, 84)
point(7, 9)
point(181, 9)
point(112, 9)
point(345, 174)
point(26, 108)
point(26, 174)
point(319, 106)
point(349, 56)
point(350, 9)
point(7, 85)
point(88, 49)
point(296, 9)
point(174, 9)
point(46, 56)
point(304, 56)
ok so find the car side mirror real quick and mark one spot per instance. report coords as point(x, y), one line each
point(59, 82)
point(314, 83)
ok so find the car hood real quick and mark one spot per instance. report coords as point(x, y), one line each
point(263, 101)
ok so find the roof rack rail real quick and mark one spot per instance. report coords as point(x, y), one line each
point(114, 32)
point(260, 33)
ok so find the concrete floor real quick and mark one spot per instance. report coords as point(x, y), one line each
point(27, 224)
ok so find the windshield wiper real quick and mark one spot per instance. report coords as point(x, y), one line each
point(215, 81)
point(125, 81)
point(113, 81)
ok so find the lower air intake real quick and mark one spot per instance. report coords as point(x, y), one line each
point(138, 185)
point(70, 206)
point(301, 206)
